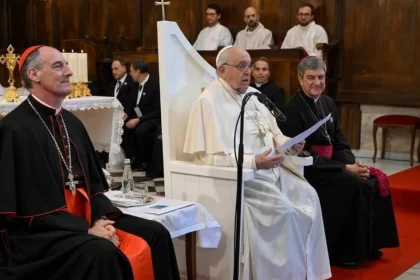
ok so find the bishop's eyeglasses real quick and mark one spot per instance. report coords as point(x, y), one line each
point(242, 66)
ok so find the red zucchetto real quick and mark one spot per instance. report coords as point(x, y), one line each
point(25, 54)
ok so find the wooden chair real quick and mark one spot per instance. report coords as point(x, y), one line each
point(392, 121)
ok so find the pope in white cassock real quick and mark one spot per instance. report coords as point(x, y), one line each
point(255, 35)
point(307, 33)
point(215, 35)
point(283, 229)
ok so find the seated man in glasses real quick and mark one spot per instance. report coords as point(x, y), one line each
point(283, 228)
point(307, 33)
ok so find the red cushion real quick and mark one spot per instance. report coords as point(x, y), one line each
point(397, 120)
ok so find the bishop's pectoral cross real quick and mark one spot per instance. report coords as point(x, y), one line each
point(162, 3)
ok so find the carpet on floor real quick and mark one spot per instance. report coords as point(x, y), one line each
point(405, 189)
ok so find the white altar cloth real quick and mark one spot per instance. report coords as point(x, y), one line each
point(102, 117)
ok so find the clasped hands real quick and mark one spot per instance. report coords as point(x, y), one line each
point(132, 123)
point(264, 161)
point(103, 228)
point(359, 169)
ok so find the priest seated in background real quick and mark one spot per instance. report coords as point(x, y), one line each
point(355, 199)
point(255, 35)
point(283, 229)
point(307, 33)
point(261, 75)
point(55, 221)
point(144, 114)
point(214, 35)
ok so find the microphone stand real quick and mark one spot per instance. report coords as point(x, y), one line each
point(239, 190)
point(240, 162)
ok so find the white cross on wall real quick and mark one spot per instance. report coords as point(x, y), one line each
point(162, 3)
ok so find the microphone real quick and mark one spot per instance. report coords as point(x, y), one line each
point(274, 110)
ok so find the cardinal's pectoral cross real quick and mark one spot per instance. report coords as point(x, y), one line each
point(72, 184)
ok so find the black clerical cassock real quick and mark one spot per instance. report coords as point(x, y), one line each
point(40, 239)
point(358, 221)
point(272, 91)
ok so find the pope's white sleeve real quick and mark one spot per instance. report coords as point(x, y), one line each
point(226, 160)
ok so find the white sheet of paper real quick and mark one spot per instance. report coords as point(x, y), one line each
point(299, 138)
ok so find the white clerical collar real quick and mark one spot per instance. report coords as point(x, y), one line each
point(314, 99)
point(145, 81)
point(122, 80)
point(259, 85)
point(46, 105)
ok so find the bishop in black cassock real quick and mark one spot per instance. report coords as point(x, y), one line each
point(40, 238)
point(358, 220)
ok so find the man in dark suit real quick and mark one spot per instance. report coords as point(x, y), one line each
point(261, 74)
point(143, 114)
point(121, 86)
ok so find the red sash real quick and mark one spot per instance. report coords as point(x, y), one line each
point(325, 151)
point(134, 248)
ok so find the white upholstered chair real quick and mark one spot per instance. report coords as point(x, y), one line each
point(183, 73)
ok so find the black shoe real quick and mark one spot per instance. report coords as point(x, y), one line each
point(375, 255)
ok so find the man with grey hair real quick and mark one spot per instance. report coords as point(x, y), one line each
point(356, 206)
point(55, 221)
point(283, 229)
